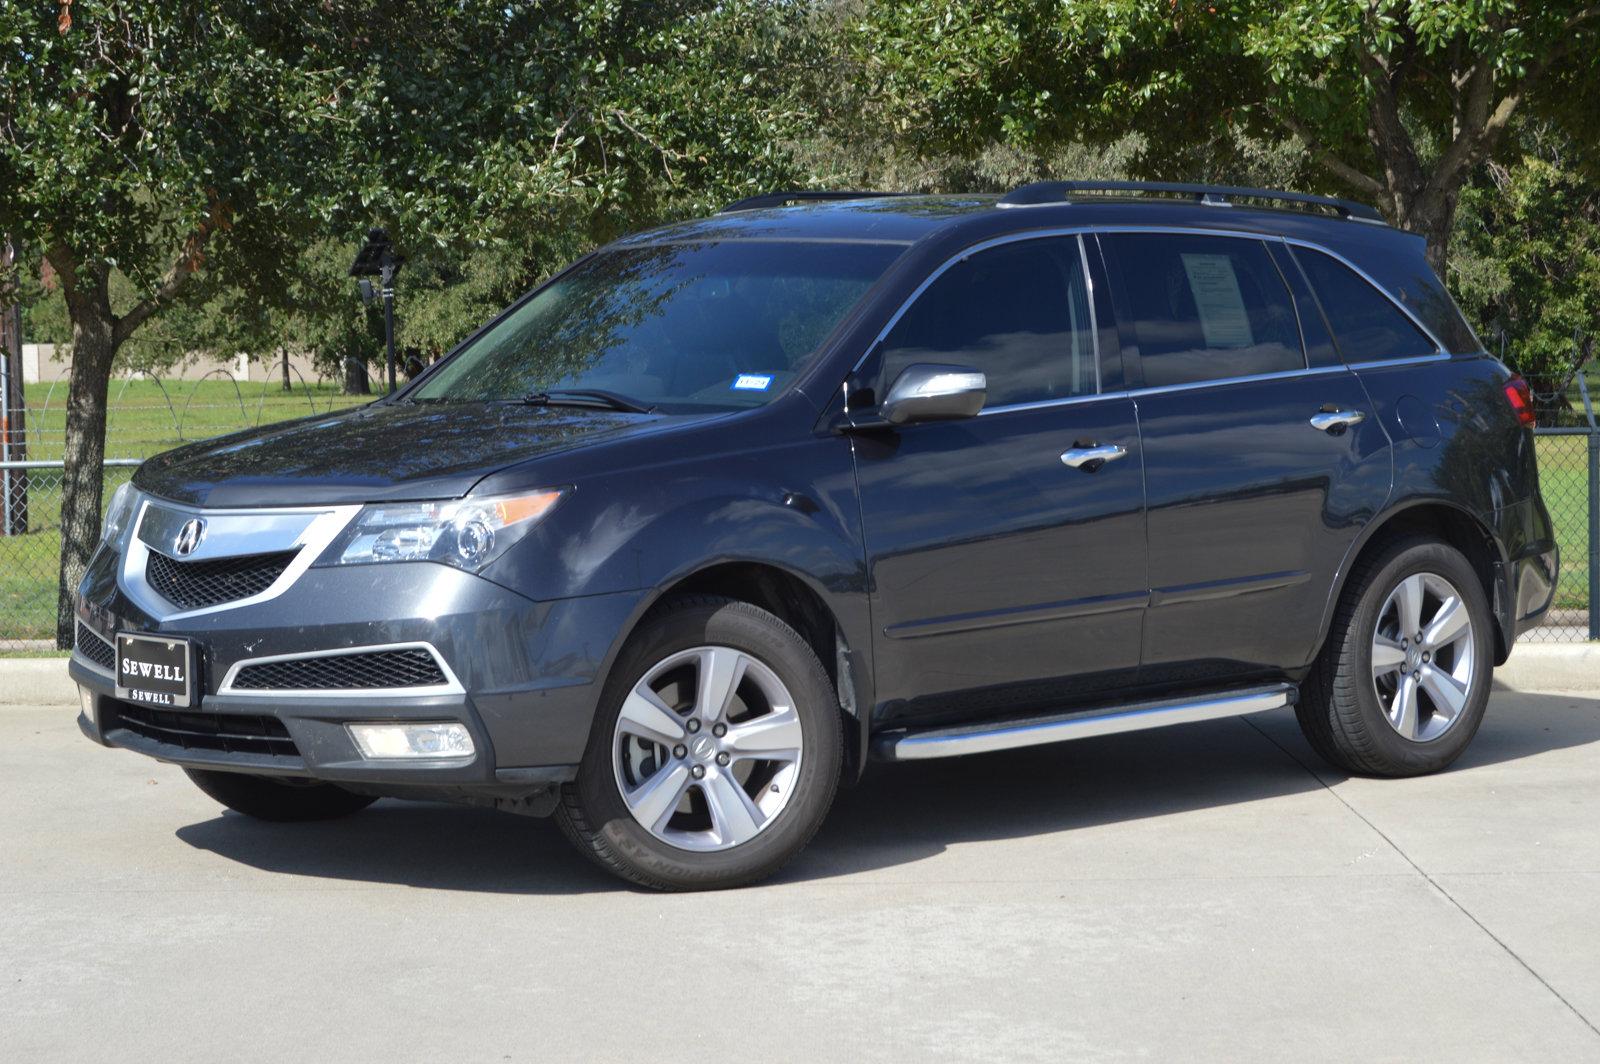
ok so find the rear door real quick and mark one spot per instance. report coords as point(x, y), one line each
point(1002, 577)
point(1261, 465)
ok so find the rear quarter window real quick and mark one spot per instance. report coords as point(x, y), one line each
point(1366, 324)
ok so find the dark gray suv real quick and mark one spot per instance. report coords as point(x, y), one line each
point(726, 510)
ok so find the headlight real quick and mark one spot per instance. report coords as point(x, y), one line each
point(118, 512)
point(467, 533)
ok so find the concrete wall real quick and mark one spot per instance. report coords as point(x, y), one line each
point(44, 363)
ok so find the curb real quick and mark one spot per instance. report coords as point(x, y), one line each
point(35, 683)
point(1571, 667)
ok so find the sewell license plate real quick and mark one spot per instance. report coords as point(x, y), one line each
point(154, 670)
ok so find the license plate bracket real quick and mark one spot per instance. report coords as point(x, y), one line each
point(155, 670)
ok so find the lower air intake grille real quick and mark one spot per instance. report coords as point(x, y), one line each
point(94, 648)
point(227, 733)
point(196, 585)
point(368, 670)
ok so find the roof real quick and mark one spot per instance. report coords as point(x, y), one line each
point(907, 219)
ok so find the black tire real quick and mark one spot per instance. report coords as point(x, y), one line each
point(266, 798)
point(1339, 710)
point(592, 812)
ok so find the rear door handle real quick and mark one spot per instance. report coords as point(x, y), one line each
point(1336, 421)
point(1093, 457)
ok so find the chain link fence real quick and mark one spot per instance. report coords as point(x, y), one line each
point(30, 550)
point(1567, 480)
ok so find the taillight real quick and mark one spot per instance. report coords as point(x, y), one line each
point(1521, 400)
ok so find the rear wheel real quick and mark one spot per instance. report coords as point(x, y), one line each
point(1402, 683)
point(270, 798)
point(715, 752)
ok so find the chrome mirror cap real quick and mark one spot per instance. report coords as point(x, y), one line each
point(929, 392)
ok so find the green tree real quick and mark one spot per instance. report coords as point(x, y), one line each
point(198, 150)
point(1396, 101)
point(1527, 263)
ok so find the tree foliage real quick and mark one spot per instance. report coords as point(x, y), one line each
point(175, 152)
point(1396, 101)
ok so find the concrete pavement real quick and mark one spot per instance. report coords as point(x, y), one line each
point(1211, 892)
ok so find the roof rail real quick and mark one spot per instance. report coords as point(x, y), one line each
point(783, 199)
point(1216, 195)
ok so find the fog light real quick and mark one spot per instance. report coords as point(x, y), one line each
point(388, 741)
point(86, 701)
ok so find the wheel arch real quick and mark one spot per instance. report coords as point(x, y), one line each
point(799, 603)
point(1450, 523)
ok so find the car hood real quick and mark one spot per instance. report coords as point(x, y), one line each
point(384, 451)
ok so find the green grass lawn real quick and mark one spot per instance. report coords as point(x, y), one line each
point(1564, 482)
point(146, 417)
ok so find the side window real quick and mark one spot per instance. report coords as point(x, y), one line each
point(1204, 308)
point(1366, 324)
point(1018, 312)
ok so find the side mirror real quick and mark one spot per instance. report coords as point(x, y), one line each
point(928, 392)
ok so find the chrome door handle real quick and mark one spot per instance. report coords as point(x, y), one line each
point(1336, 420)
point(1092, 458)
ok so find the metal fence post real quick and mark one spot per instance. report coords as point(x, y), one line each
point(1594, 508)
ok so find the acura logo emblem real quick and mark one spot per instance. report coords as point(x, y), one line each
point(189, 537)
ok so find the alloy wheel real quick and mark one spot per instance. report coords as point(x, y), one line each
point(707, 748)
point(1423, 657)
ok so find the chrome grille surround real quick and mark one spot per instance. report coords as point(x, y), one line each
point(446, 681)
point(228, 534)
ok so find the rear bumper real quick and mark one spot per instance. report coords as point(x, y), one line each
point(1525, 584)
point(524, 679)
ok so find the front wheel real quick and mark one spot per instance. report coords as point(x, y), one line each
point(1402, 683)
point(715, 752)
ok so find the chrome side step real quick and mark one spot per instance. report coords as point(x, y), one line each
point(1037, 731)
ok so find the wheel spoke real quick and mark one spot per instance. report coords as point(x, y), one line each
point(653, 801)
point(734, 816)
point(1408, 605)
point(1403, 710)
point(773, 737)
point(1386, 655)
point(1447, 694)
point(1448, 624)
point(644, 715)
point(721, 669)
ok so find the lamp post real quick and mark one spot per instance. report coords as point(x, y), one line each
point(377, 258)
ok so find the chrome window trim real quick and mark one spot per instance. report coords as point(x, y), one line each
point(327, 522)
point(451, 686)
point(1440, 353)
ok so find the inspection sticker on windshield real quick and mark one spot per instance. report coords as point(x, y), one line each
point(752, 382)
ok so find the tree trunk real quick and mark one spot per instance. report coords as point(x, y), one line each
point(83, 479)
point(355, 377)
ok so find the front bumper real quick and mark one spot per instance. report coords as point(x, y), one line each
point(525, 678)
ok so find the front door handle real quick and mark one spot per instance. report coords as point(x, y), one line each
point(1093, 457)
point(1336, 421)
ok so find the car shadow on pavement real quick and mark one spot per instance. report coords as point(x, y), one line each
point(897, 815)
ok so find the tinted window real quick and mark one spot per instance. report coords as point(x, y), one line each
point(1366, 324)
point(1204, 308)
point(1018, 312)
point(685, 326)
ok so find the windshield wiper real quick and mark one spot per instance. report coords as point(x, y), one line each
point(587, 397)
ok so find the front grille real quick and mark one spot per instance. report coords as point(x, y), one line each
point(196, 585)
point(411, 667)
point(227, 733)
point(94, 648)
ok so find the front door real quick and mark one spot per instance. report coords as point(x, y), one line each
point(1003, 578)
point(1260, 469)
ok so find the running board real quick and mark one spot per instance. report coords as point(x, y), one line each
point(1112, 720)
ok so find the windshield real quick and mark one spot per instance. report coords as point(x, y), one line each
point(673, 326)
